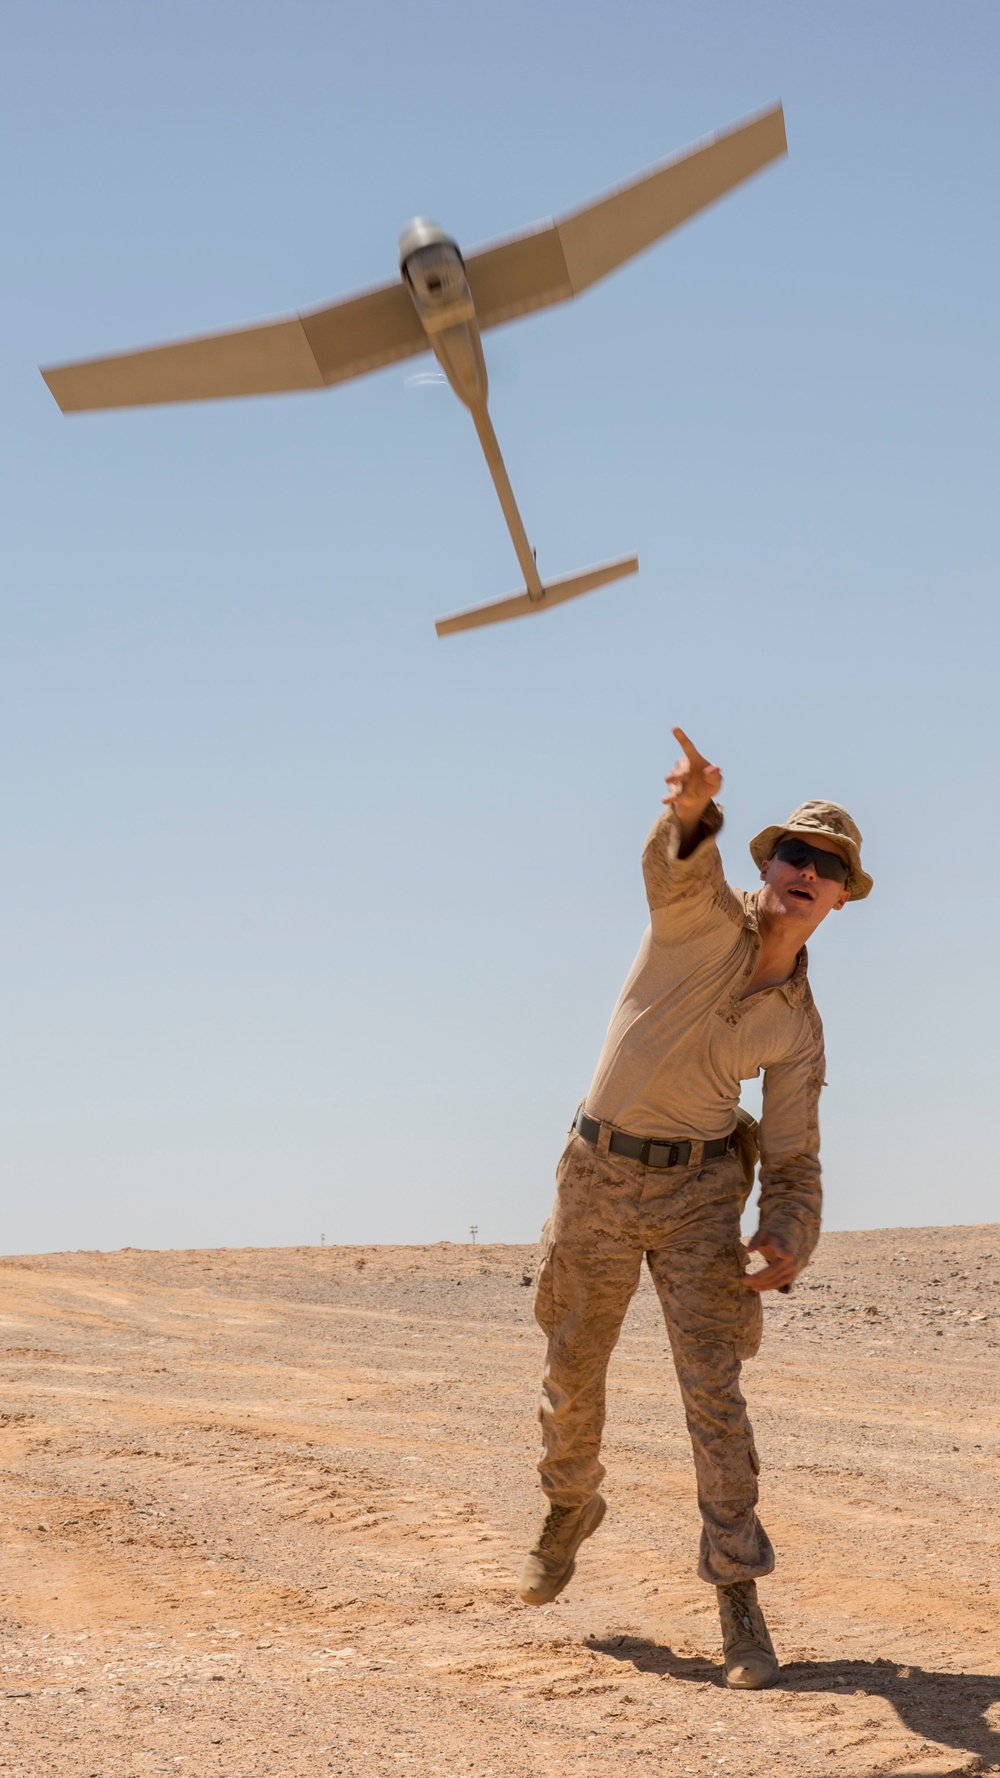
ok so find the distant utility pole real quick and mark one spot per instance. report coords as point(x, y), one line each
point(322, 1240)
point(474, 1230)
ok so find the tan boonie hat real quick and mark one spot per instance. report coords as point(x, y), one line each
point(826, 821)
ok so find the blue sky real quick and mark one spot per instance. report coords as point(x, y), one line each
point(312, 922)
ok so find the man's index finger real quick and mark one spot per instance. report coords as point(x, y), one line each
point(696, 758)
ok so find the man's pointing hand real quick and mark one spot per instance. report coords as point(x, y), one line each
point(690, 788)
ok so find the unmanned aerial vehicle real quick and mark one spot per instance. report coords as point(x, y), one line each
point(442, 301)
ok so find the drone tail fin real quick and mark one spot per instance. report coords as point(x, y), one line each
point(555, 592)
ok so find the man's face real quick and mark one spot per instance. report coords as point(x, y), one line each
point(798, 892)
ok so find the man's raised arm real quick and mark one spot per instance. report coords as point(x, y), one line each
point(683, 874)
point(691, 786)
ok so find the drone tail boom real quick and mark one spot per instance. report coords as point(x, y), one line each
point(523, 604)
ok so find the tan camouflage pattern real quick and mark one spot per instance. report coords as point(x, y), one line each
point(609, 1212)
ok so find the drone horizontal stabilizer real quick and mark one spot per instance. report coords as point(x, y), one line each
point(522, 604)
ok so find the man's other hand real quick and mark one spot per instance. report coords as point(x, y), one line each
point(780, 1271)
point(690, 788)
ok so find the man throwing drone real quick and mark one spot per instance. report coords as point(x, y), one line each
point(660, 1161)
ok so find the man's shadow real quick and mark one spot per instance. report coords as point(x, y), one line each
point(949, 1708)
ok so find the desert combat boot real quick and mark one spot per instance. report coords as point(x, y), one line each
point(751, 1663)
point(550, 1564)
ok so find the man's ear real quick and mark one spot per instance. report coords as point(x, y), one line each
point(842, 903)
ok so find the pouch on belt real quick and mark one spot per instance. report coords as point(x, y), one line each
point(746, 1144)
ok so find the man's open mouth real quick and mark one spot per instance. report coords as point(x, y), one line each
point(802, 894)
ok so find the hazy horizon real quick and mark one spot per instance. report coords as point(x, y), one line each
point(376, 1246)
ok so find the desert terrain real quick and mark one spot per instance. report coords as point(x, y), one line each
point(262, 1511)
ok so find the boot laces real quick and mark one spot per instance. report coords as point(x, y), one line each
point(555, 1520)
point(739, 1596)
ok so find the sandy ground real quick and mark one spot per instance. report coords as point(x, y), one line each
point(262, 1512)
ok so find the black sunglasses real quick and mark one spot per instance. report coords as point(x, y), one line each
point(826, 864)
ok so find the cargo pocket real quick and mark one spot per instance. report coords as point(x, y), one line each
point(545, 1308)
point(751, 1314)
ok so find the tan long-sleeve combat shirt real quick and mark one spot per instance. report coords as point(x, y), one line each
point(682, 1036)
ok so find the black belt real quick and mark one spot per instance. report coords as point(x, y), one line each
point(651, 1153)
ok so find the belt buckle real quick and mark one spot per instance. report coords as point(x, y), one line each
point(678, 1154)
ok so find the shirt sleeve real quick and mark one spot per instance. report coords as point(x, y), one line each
point(791, 1195)
point(685, 892)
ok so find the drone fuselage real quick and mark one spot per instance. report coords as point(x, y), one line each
point(433, 270)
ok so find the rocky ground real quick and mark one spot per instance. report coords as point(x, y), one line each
point(262, 1510)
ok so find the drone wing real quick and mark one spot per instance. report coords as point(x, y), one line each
point(534, 269)
point(308, 351)
point(557, 260)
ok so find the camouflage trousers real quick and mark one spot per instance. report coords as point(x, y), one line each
point(610, 1211)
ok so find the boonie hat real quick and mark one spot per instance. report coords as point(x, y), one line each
point(826, 821)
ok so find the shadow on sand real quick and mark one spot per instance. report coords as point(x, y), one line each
point(947, 1708)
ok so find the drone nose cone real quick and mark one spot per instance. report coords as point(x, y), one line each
point(422, 232)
